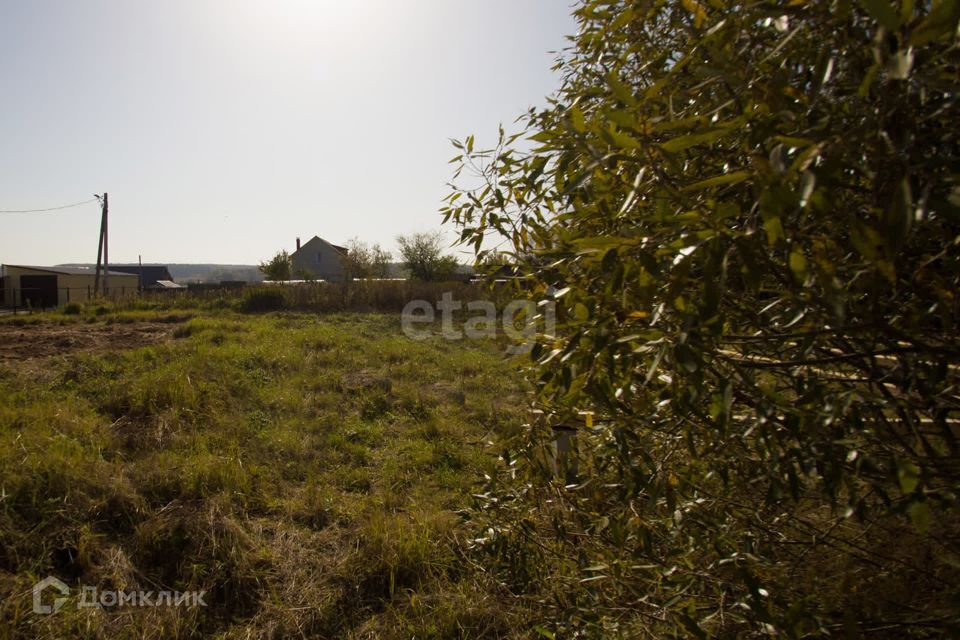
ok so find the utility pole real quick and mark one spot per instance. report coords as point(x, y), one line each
point(101, 246)
point(106, 229)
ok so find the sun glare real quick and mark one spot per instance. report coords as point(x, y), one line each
point(307, 18)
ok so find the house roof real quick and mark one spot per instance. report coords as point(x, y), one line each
point(67, 271)
point(342, 250)
point(151, 274)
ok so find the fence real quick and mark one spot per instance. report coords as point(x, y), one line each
point(387, 296)
point(40, 298)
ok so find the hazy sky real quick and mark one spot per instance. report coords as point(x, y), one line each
point(224, 129)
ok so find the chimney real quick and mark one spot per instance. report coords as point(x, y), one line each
point(298, 244)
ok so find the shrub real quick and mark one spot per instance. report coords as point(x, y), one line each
point(423, 257)
point(753, 209)
point(72, 309)
point(265, 299)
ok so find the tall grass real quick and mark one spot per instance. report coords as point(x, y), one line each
point(382, 296)
point(304, 472)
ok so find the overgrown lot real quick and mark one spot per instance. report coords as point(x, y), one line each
point(304, 471)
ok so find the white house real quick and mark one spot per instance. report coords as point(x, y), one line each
point(317, 258)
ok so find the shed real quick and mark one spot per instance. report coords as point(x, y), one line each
point(149, 274)
point(44, 287)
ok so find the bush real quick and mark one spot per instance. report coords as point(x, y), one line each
point(754, 211)
point(72, 309)
point(265, 299)
point(423, 257)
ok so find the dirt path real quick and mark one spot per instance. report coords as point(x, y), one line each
point(20, 344)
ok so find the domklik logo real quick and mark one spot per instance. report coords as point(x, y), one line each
point(40, 587)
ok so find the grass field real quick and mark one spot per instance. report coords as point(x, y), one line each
point(304, 471)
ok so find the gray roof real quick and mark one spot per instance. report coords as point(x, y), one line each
point(342, 250)
point(67, 271)
point(149, 274)
point(165, 284)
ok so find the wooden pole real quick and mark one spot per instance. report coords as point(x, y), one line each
point(103, 224)
point(106, 227)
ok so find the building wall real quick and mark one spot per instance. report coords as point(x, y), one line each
point(70, 287)
point(74, 288)
point(320, 259)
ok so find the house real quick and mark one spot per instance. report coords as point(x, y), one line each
point(42, 287)
point(319, 259)
point(149, 275)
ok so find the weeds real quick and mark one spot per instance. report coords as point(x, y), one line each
point(304, 472)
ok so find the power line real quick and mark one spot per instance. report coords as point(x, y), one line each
point(66, 206)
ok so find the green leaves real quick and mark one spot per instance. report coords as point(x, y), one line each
point(697, 10)
point(580, 312)
point(920, 516)
point(940, 22)
point(680, 143)
point(620, 139)
point(883, 12)
point(732, 178)
point(908, 476)
point(798, 264)
point(620, 89)
point(576, 119)
point(751, 211)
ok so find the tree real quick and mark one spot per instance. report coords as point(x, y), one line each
point(423, 256)
point(380, 260)
point(754, 209)
point(363, 261)
point(277, 268)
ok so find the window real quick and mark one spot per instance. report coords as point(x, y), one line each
point(319, 256)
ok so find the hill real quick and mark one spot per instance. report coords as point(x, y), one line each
point(187, 272)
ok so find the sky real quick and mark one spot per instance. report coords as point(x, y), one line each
point(224, 129)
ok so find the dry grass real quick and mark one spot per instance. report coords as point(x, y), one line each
point(303, 471)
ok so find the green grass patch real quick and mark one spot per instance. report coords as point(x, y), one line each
point(305, 471)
